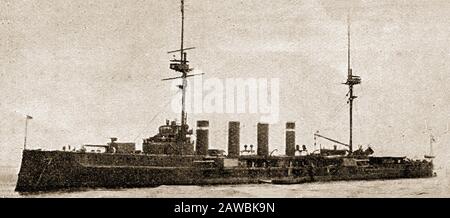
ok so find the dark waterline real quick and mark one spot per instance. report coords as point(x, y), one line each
point(428, 187)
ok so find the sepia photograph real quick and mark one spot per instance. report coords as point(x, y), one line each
point(224, 99)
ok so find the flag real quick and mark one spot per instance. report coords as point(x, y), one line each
point(29, 117)
point(433, 139)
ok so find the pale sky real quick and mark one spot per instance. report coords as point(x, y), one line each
point(87, 70)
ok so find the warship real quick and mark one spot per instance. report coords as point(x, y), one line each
point(172, 157)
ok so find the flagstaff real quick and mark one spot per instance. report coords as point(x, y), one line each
point(28, 117)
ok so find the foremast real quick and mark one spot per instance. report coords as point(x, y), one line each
point(181, 65)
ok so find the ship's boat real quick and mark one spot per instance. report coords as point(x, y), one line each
point(169, 157)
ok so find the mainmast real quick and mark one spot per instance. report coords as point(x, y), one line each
point(184, 74)
point(181, 65)
point(351, 80)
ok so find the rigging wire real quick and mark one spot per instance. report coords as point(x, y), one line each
point(356, 121)
point(154, 117)
point(338, 109)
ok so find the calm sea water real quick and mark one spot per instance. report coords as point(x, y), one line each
point(430, 187)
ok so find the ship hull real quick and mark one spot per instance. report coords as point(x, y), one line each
point(54, 170)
